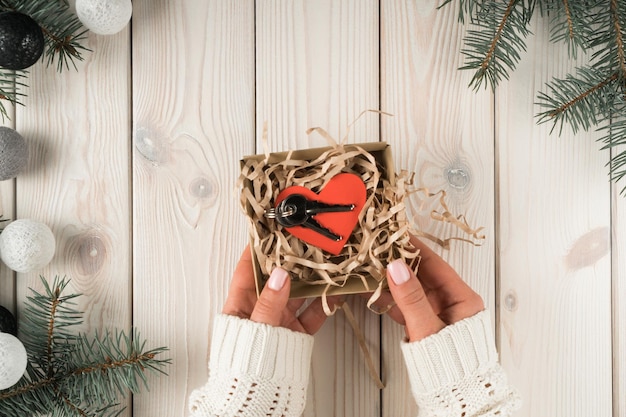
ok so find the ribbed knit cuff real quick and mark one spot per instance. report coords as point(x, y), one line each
point(243, 347)
point(447, 357)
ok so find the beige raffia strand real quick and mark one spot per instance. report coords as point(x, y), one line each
point(362, 344)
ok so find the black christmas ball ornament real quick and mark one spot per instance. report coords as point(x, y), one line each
point(8, 324)
point(21, 41)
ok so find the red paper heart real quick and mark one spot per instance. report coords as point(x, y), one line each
point(341, 189)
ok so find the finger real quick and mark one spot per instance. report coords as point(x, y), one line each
point(386, 302)
point(272, 302)
point(242, 291)
point(420, 319)
point(453, 299)
point(313, 317)
point(294, 305)
point(433, 271)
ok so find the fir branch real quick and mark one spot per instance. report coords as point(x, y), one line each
point(53, 311)
point(68, 403)
point(572, 23)
point(493, 48)
point(568, 15)
point(498, 35)
point(17, 391)
point(577, 101)
point(615, 139)
point(75, 375)
point(594, 96)
point(466, 8)
point(11, 85)
point(619, 44)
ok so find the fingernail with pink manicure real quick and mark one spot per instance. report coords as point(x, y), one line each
point(277, 279)
point(399, 271)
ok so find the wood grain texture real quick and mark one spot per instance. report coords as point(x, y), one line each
point(555, 270)
point(317, 65)
point(618, 252)
point(146, 213)
point(77, 179)
point(193, 83)
point(442, 131)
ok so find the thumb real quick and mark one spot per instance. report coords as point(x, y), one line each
point(408, 293)
point(273, 299)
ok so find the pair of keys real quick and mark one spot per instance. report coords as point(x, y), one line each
point(297, 210)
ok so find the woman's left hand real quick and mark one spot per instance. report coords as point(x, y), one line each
point(273, 306)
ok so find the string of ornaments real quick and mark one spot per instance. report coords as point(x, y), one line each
point(27, 29)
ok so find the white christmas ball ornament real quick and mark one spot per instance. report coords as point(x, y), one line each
point(104, 17)
point(26, 245)
point(13, 153)
point(13, 360)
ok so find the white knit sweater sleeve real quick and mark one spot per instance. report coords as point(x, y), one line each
point(254, 370)
point(455, 373)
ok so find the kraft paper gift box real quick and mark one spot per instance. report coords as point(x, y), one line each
point(382, 222)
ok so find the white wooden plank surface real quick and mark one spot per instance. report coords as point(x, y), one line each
point(555, 264)
point(77, 179)
point(443, 132)
point(193, 78)
point(317, 65)
point(203, 82)
point(618, 248)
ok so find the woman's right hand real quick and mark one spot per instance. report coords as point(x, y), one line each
point(425, 304)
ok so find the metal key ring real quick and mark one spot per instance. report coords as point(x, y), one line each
point(272, 214)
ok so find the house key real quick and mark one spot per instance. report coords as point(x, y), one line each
point(297, 210)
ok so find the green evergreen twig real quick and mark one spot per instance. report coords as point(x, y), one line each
point(72, 374)
point(593, 96)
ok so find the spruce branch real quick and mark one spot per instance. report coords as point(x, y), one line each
point(619, 43)
point(571, 22)
point(493, 48)
point(73, 374)
point(590, 97)
point(577, 100)
point(568, 16)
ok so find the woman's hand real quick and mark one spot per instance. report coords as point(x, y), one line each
point(434, 299)
point(273, 307)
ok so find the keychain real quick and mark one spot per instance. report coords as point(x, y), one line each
point(297, 210)
point(325, 220)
